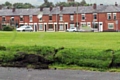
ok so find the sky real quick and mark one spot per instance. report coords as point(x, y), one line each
point(39, 2)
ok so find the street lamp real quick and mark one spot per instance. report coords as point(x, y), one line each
point(77, 17)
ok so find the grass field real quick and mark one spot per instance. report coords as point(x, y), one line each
point(91, 40)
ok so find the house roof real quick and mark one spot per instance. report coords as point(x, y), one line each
point(66, 10)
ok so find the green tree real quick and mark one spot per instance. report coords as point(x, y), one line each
point(28, 5)
point(23, 5)
point(47, 4)
point(18, 5)
point(83, 3)
point(8, 4)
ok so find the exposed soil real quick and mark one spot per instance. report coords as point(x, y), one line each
point(23, 59)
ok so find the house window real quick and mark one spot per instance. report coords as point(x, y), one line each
point(110, 25)
point(71, 17)
point(50, 26)
point(95, 16)
point(60, 26)
point(83, 17)
point(83, 24)
point(21, 18)
point(50, 17)
point(61, 18)
point(108, 16)
point(30, 17)
point(72, 25)
point(3, 18)
point(114, 16)
point(88, 24)
point(40, 27)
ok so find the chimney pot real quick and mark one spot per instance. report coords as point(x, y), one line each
point(51, 8)
point(94, 6)
point(61, 8)
point(13, 10)
point(41, 8)
point(0, 6)
point(116, 4)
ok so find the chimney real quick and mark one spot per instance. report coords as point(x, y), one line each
point(13, 10)
point(51, 8)
point(116, 4)
point(61, 8)
point(41, 8)
point(0, 6)
point(94, 6)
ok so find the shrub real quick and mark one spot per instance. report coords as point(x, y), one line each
point(84, 57)
point(8, 28)
point(6, 56)
point(45, 51)
point(2, 48)
point(116, 60)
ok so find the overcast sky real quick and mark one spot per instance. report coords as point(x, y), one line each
point(38, 2)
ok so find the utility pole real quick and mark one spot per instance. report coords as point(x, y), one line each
point(56, 27)
point(77, 17)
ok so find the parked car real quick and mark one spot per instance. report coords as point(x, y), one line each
point(25, 28)
point(72, 29)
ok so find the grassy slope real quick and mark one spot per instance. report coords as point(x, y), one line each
point(66, 39)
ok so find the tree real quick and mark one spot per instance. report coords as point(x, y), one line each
point(62, 4)
point(28, 5)
point(18, 5)
point(45, 1)
point(21, 5)
point(83, 2)
point(47, 4)
point(8, 4)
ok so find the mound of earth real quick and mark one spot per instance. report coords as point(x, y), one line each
point(23, 59)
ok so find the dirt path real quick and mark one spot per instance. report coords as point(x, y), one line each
point(24, 74)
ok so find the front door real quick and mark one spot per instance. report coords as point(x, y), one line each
point(100, 26)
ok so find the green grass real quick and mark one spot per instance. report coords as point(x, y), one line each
point(91, 40)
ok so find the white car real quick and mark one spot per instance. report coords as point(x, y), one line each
point(25, 28)
point(72, 29)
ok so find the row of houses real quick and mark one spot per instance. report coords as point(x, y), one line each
point(99, 17)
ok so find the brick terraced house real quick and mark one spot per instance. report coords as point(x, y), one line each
point(99, 17)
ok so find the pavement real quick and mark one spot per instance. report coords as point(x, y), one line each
point(30, 74)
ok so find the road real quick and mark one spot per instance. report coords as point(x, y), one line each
point(24, 74)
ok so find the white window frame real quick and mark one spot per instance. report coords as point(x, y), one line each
point(40, 27)
point(94, 14)
point(71, 17)
point(83, 16)
point(72, 25)
point(4, 18)
point(61, 17)
point(114, 16)
point(61, 27)
point(20, 18)
point(83, 23)
point(108, 16)
point(110, 24)
point(88, 24)
point(31, 18)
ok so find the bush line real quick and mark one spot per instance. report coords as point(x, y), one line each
point(68, 56)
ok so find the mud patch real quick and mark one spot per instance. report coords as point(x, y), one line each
point(23, 59)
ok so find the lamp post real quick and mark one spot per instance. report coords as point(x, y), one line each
point(77, 17)
point(56, 20)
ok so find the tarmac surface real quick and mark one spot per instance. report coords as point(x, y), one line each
point(30, 74)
